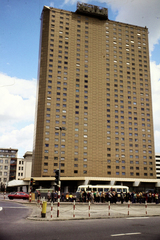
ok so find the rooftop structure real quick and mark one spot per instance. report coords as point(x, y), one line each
point(92, 10)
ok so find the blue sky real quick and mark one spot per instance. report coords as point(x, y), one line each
point(155, 54)
point(19, 47)
point(20, 30)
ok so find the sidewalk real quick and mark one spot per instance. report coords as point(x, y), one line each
point(96, 210)
point(82, 211)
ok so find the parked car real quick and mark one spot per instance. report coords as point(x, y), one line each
point(18, 195)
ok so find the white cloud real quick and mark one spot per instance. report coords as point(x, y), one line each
point(51, 4)
point(157, 140)
point(16, 86)
point(155, 80)
point(17, 97)
point(71, 1)
point(20, 139)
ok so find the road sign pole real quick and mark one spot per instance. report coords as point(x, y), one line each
point(58, 202)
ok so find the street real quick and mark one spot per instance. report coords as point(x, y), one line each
point(15, 226)
point(12, 212)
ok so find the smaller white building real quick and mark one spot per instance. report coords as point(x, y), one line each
point(27, 164)
point(23, 171)
point(20, 169)
point(24, 166)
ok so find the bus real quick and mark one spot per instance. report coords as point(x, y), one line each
point(102, 188)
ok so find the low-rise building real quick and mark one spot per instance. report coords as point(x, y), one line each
point(20, 169)
point(13, 169)
point(24, 166)
point(23, 173)
point(8, 165)
point(27, 164)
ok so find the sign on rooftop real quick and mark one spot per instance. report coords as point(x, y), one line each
point(92, 10)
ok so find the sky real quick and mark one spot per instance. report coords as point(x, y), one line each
point(19, 48)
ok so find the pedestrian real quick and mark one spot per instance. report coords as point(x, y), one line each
point(135, 197)
point(143, 197)
point(106, 197)
point(118, 196)
point(110, 196)
point(129, 196)
point(74, 197)
point(114, 197)
point(80, 196)
point(84, 196)
point(100, 196)
point(140, 197)
point(52, 196)
point(132, 197)
point(71, 197)
point(49, 196)
point(125, 197)
point(55, 196)
point(150, 197)
point(156, 198)
point(62, 197)
point(97, 197)
point(153, 197)
point(92, 197)
point(88, 196)
point(67, 197)
point(39, 196)
point(122, 197)
point(103, 197)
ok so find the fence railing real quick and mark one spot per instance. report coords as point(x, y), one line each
point(88, 210)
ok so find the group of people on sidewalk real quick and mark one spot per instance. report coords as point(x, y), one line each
point(113, 197)
point(53, 196)
point(102, 197)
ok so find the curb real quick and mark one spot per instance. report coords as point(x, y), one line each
point(85, 218)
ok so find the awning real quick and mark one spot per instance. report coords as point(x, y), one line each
point(17, 183)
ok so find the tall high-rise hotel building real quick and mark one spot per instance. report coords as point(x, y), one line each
point(94, 80)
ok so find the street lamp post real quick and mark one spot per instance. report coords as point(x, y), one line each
point(59, 183)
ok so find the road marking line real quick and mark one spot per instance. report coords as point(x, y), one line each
point(14, 207)
point(124, 234)
point(137, 218)
point(1, 208)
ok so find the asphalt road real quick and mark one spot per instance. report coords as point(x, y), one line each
point(15, 226)
point(12, 212)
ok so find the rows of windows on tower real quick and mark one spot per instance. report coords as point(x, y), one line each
point(127, 104)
